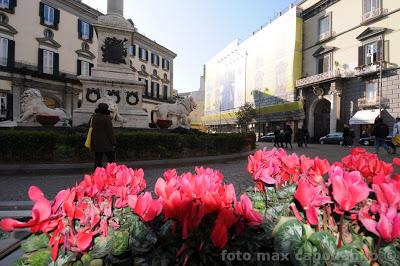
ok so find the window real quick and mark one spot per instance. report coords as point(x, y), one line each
point(165, 92)
point(85, 28)
point(165, 64)
point(324, 63)
point(371, 53)
point(3, 105)
point(155, 90)
point(3, 51)
point(371, 92)
point(325, 27)
point(143, 54)
point(48, 15)
point(371, 9)
point(48, 62)
point(85, 68)
point(146, 86)
point(155, 59)
point(4, 4)
point(371, 5)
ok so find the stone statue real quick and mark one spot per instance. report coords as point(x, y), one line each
point(32, 105)
point(178, 112)
point(112, 107)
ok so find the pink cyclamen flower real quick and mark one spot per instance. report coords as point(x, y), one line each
point(348, 189)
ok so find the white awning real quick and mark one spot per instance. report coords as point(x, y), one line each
point(364, 117)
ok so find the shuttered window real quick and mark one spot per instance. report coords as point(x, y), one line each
point(49, 16)
point(3, 51)
point(48, 62)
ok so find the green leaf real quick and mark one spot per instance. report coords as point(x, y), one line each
point(286, 192)
point(85, 259)
point(96, 262)
point(325, 243)
point(102, 247)
point(40, 258)
point(35, 242)
point(305, 253)
point(281, 222)
point(389, 256)
point(120, 243)
point(287, 236)
point(4, 235)
point(349, 256)
point(63, 259)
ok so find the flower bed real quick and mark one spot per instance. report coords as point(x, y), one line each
point(305, 211)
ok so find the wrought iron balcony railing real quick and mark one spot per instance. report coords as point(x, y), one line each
point(318, 78)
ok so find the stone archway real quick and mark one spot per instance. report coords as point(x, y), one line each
point(322, 114)
point(312, 120)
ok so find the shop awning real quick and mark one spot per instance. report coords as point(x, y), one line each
point(364, 117)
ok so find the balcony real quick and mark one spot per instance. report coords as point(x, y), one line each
point(369, 69)
point(318, 78)
point(368, 16)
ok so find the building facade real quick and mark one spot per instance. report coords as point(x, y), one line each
point(257, 71)
point(48, 44)
point(350, 64)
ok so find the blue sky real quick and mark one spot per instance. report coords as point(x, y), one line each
point(196, 29)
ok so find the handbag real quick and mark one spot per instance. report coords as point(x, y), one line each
point(89, 135)
point(396, 140)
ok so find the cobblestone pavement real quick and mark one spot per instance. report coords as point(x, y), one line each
point(14, 188)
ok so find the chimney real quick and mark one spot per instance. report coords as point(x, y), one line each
point(115, 7)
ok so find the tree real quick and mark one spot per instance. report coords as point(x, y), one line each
point(246, 114)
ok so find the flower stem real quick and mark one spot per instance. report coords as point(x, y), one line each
point(378, 246)
point(341, 231)
point(324, 218)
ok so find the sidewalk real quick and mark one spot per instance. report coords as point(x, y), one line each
point(15, 169)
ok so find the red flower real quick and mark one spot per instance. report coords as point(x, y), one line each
point(145, 207)
point(310, 198)
point(348, 189)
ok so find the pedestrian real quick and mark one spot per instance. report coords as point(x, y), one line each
point(277, 133)
point(281, 137)
point(396, 135)
point(346, 136)
point(380, 133)
point(364, 134)
point(288, 136)
point(103, 139)
point(298, 138)
point(305, 136)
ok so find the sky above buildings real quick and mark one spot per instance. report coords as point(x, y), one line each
point(196, 30)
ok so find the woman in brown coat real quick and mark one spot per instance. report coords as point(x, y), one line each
point(103, 139)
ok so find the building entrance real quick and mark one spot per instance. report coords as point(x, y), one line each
point(322, 114)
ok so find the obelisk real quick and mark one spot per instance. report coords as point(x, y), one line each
point(112, 75)
point(115, 7)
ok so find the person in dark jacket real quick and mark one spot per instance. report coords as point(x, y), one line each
point(103, 139)
point(288, 136)
point(380, 132)
point(277, 137)
point(346, 136)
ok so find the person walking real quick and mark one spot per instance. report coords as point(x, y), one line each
point(380, 132)
point(305, 136)
point(396, 135)
point(346, 136)
point(288, 136)
point(277, 133)
point(103, 139)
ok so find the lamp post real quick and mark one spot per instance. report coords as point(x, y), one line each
point(380, 91)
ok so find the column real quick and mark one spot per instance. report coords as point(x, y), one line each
point(334, 95)
point(16, 91)
point(115, 7)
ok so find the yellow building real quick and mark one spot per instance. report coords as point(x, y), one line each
point(257, 71)
point(346, 44)
point(46, 44)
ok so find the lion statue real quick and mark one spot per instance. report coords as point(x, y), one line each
point(32, 105)
point(178, 112)
point(113, 108)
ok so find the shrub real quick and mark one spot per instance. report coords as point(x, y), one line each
point(67, 145)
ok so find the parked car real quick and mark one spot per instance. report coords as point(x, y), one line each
point(333, 138)
point(370, 141)
point(269, 137)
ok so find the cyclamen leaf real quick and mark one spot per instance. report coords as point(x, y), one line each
point(389, 256)
point(287, 236)
point(102, 247)
point(120, 242)
point(305, 253)
point(35, 242)
point(349, 256)
point(325, 243)
point(286, 192)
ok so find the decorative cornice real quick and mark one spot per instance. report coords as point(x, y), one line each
point(49, 42)
point(323, 50)
point(85, 54)
point(7, 28)
point(370, 32)
point(77, 8)
point(155, 46)
point(317, 8)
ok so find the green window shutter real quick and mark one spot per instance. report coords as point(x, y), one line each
point(90, 68)
point(41, 13)
point(79, 67)
point(40, 60)
point(56, 64)
point(80, 28)
point(90, 32)
point(11, 53)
